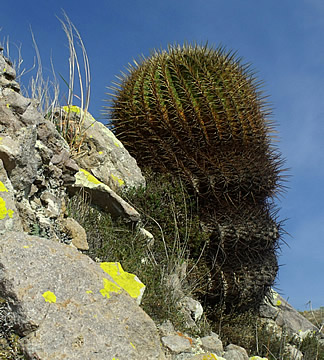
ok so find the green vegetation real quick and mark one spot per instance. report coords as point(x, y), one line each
point(169, 214)
point(10, 348)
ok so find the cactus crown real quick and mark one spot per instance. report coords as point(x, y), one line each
point(200, 112)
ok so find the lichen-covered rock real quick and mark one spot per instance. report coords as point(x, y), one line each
point(102, 154)
point(9, 218)
point(67, 307)
point(35, 157)
point(129, 282)
point(103, 196)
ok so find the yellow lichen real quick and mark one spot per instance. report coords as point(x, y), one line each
point(122, 278)
point(49, 297)
point(117, 180)
point(133, 345)
point(8, 106)
point(2, 186)
point(90, 177)
point(89, 291)
point(116, 144)
point(109, 287)
point(72, 108)
point(3, 209)
point(209, 357)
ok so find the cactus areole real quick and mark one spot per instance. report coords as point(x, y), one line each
point(199, 113)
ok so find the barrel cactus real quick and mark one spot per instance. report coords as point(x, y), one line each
point(199, 112)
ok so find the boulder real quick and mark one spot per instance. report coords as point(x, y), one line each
point(176, 343)
point(129, 282)
point(101, 153)
point(66, 306)
point(277, 309)
point(75, 233)
point(9, 218)
point(103, 196)
point(213, 344)
point(234, 352)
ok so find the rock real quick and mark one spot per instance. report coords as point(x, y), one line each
point(176, 343)
point(68, 307)
point(284, 315)
point(234, 352)
point(102, 154)
point(9, 218)
point(166, 329)
point(18, 103)
point(192, 307)
point(207, 356)
point(129, 282)
point(9, 152)
point(294, 353)
point(103, 196)
point(35, 156)
point(76, 232)
point(6, 69)
point(213, 344)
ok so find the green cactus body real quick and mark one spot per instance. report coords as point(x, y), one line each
point(199, 113)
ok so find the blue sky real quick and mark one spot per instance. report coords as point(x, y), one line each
point(282, 39)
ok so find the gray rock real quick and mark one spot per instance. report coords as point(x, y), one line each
point(279, 310)
point(6, 69)
point(76, 232)
point(9, 218)
point(103, 196)
point(9, 152)
point(166, 329)
point(27, 163)
point(207, 356)
point(102, 154)
point(191, 307)
point(176, 343)
point(212, 344)
point(234, 352)
point(16, 101)
point(36, 158)
point(67, 307)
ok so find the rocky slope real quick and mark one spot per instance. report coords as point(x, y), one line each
point(61, 303)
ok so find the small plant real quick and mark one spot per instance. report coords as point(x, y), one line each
point(47, 92)
point(10, 348)
point(170, 215)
